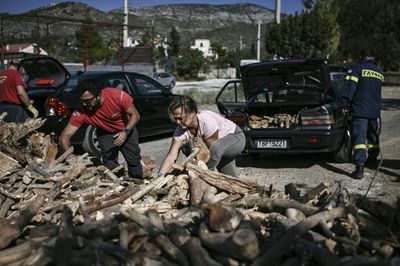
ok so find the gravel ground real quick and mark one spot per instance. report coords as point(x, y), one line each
point(307, 171)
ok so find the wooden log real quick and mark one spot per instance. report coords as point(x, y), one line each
point(225, 182)
point(170, 250)
point(314, 193)
point(11, 229)
point(275, 253)
point(61, 158)
point(7, 163)
point(71, 174)
point(17, 253)
point(267, 204)
point(241, 244)
point(222, 218)
point(156, 221)
point(292, 191)
point(198, 256)
point(112, 200)
point(9, 202)
point(197, 189)
point(320, 255)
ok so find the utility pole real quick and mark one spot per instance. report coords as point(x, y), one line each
point(258, 40)
point(125, 38)
point(278, 11)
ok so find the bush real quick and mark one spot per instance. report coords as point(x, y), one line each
point(201, 97)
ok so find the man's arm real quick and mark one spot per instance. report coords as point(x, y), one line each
point(23, 96)
point(65, 138)
point(134, 118)
point(25, 100)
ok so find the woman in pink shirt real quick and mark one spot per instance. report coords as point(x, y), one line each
point(224, 138)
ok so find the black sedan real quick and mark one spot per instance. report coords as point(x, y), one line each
point(150, 98)
point(288, 106)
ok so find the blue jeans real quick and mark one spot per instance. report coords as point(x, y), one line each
point(224, 150)
point(365, 139)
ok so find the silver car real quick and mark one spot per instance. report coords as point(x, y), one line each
point(166, 79)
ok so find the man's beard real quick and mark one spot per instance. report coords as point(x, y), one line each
point(91, 109)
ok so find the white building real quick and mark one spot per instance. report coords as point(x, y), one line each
point(204, 46)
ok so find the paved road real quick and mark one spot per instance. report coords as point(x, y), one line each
point(310, 170)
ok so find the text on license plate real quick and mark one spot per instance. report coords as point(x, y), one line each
point(272, 143)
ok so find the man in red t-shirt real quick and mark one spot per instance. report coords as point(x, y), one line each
point(13, 97)
point(112, 111)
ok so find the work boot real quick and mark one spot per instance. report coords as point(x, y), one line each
point(358, 173)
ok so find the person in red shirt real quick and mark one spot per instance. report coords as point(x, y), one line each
point(114, 115)
point(13, 97)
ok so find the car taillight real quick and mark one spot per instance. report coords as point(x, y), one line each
point(317, 117)
point(56, 107)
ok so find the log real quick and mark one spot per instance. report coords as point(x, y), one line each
point(198, 256)
point(61, 158)
point(314, 193)
point(7, 163)
point(225, 182)
point(112, 200)
point(197, 189)
point(292, 191)
point(275, 253)
point(320, 255)
point(17, 253)
point(222, 218)
point(241, 244)
point(11, 229)
point(280, 205)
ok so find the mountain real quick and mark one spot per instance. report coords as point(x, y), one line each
point(226, 24)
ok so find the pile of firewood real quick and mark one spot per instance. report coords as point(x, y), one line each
point(55, 212)
point(276, 121)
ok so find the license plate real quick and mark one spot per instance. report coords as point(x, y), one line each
point(272, 143)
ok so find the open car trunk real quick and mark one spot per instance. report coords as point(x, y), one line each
point(278, 93)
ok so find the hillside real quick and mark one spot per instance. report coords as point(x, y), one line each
point(219, 23)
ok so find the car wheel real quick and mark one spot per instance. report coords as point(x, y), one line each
point(171, 85)
point(343, 153)
point(90, 143)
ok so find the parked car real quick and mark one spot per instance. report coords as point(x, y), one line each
point(300, 91)
point(43, 76)
point(150, 98)
point(166, 79)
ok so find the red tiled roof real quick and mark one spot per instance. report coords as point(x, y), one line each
point(15, 48)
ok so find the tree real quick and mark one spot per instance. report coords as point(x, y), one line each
point(372, 25)
point(174, 42)
point(96, 48)
point(309, 34)
point(191, 63)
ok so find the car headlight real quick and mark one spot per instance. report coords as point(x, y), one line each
point(319, 116)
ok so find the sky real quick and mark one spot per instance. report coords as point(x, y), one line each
point(21, 6)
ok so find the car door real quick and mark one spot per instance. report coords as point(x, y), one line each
point(152, 101)
point(231, 101)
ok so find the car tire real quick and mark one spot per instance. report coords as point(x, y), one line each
point(343, 153)
point(90, 143)
point(171, 85)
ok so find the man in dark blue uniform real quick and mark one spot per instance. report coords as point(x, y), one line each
point(362, 95)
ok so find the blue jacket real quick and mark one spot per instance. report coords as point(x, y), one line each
point(363, 89)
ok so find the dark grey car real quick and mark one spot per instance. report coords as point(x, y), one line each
point(297, 90)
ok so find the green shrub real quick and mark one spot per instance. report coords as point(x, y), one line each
point(201, 97)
